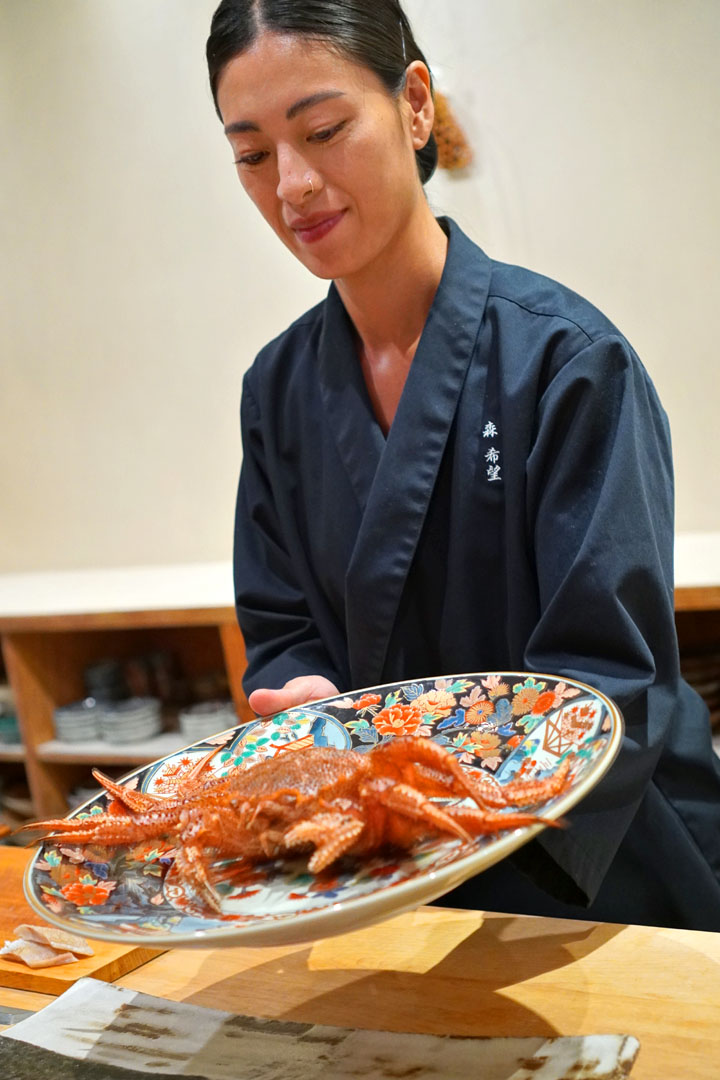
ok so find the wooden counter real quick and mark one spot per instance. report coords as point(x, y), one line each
point(439, 970)
point(444, 971)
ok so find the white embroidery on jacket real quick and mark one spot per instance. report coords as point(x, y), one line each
point(492, 456)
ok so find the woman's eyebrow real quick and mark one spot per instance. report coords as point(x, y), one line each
point(312, 99)
point(240, 126)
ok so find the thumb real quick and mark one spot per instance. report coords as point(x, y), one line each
point(297, 691)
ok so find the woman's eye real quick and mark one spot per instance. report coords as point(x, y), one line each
point(327, 133)
point(251, 159)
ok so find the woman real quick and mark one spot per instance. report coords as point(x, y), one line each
point(451, 464)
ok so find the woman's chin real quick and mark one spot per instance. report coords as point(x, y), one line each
point(328, 268)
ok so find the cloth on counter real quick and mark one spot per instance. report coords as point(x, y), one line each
point(97, 1031)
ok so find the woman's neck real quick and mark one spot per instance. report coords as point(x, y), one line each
point(389, 302)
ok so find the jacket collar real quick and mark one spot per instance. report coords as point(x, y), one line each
point(393, 479)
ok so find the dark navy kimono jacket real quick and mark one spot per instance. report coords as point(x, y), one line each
point(518, 516)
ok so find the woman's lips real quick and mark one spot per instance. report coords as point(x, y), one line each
point(309, 232)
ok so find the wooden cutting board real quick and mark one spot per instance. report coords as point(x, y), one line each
point(108, 963)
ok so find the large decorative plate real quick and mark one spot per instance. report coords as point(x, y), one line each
point(509, 725)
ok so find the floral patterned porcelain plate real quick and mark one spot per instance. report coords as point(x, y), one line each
point(509, 725)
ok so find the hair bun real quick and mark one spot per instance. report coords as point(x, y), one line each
point(453, 149)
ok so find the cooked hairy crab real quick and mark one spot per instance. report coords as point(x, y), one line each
point(327, 802)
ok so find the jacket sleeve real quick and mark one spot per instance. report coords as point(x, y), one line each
point(281, 638)
point(600, 514)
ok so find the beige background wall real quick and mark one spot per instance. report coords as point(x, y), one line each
point(136, 283)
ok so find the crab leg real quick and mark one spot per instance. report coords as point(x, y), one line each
point(411, 803)
point(482, 822)
point(415, 757)
point(129, 798)
point(107, 830)
point(205, 834)
point(140, 801)
point(332, 834)
point(421, 760)
point(484, 790)
point(190, 868)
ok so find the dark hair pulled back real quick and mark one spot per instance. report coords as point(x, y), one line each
point(374, 33)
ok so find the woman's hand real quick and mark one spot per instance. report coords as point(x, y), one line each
point(295, 692)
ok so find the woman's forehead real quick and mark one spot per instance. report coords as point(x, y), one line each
point(280, 70)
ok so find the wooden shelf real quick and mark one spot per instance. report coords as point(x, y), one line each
point(12, 752)
point(118, 620)
point(697, 598)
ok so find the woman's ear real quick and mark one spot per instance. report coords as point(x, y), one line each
point(418, 96)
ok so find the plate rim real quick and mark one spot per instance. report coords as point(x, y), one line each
point(298, 928)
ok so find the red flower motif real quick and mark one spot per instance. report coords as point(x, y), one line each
point(399, 720)
point(88, 893)
point(544, 702)
point(366, 700)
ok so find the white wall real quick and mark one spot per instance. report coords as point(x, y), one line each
point(136, 282)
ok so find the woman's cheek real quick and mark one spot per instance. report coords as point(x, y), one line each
point(260, 194)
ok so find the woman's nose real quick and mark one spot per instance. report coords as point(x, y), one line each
point(296, 180)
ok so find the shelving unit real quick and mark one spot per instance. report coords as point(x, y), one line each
point(53, 626)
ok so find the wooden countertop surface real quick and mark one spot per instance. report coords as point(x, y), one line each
point(440, 970)
point(444, 971)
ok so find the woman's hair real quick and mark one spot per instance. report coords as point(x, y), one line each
point(373, 33)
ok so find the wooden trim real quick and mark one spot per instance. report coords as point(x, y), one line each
point(12, 752)
point(697, 598)
point(235, 664)
point(687, 598)
point(27, 661)
point(119, 620)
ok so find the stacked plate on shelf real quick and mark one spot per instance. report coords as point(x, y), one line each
point(126, 721)
point(78, 721)
point(132, 720)
point(206, 718)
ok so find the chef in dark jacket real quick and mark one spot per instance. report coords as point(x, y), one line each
point(452, 464)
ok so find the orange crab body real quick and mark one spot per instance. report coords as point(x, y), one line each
point(327, 802)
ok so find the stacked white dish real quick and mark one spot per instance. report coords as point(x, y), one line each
point(78, 721)
point(207, 718)
point(132, 720)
